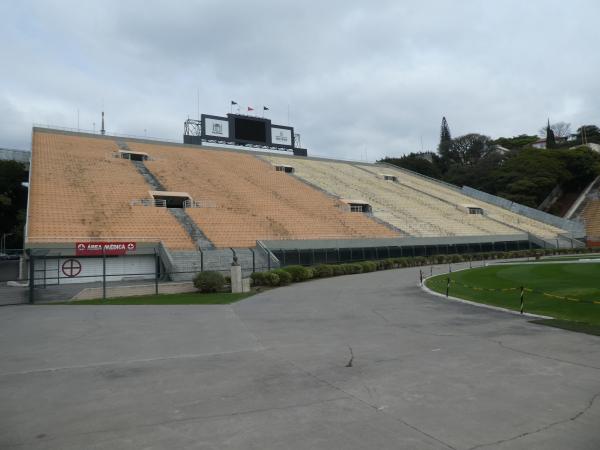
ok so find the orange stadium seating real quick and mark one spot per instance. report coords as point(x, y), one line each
point(80, 191)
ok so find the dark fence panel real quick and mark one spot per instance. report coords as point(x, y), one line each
point(288, 257)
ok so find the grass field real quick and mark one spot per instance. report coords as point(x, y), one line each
point(192, 298)
point(577, 283)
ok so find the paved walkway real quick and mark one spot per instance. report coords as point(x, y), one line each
point(364, 361)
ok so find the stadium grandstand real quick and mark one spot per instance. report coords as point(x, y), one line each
point(192, 207)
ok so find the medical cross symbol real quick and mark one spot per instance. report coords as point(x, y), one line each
point(71, 268)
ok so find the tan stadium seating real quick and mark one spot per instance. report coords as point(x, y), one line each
point(79, 191)
point(439, 190)
point(414, 205)
point(252, 201)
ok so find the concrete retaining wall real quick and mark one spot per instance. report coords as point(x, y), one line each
point(140, 289)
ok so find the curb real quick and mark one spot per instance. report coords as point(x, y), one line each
point(481, 305)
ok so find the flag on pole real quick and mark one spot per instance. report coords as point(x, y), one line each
point(250, 108)
point(265, 108)
point(233, 103)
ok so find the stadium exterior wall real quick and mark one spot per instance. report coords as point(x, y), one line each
point(391, 242)
point(333, 251)
point(121, 268)
point(58, 263)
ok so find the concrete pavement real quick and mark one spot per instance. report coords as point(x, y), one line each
point(273, 372)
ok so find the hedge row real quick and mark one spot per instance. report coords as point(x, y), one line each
point(289, 274)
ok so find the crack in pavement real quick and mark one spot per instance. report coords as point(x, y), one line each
point(351, 360)
point(374, 407)
point(525, 352)
point(545, 427)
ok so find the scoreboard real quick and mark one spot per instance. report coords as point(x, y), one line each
point(239, 129)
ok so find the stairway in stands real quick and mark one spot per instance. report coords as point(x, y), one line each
point(188, 224)
point(191, 228)
point(184, 265)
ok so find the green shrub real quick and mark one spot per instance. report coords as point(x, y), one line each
point(298, 273)
point(419, 261)
point(401, 262)
point(368, 266)
point(271, 279)
point(338, 269)
point(209, 281)
point(323, 271)
point(456, 258)
point(388, 263)
point(284, 277)
point(352, 268)
point(258, 278)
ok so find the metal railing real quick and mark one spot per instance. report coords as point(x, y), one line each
point(573, 227)
point(199, 204)
point(159, 203)
point(97, 132)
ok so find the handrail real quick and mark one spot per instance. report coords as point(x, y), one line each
point(269, 253)
point(161, 203)
point(166, 257)
point(199, 204)
point(68, 239)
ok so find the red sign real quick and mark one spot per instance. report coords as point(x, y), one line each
point(71, 268)
point(103, 248)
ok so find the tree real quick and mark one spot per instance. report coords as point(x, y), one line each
point(445, 139)
point(529, 175)
point(13, 201)
point(550, 141)
point(479, 175)
point(582, 163)
point(523, 140)
point(417, 163)
point(588, 134)
point(470, 148)
point(560, 129)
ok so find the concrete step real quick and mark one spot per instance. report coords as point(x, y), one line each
point(191, 228)
point(148, 176)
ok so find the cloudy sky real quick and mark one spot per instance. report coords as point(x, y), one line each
point(360, 79)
